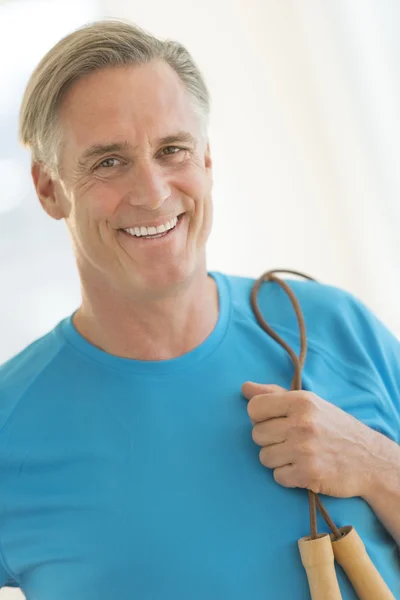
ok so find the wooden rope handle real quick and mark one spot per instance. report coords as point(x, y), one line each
point(319, 562)
point(350, 553)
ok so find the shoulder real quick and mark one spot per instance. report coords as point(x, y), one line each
point(336, 315)
point(19, 373)
point(318, 302)
point(337, 322)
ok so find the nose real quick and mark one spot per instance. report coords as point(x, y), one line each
point(148, 186)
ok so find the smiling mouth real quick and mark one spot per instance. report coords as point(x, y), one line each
point(139, 230)
point(156, 235)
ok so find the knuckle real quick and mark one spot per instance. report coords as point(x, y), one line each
point(307, 401)
point(306, 425)
point(307, 449)
point(302, 400)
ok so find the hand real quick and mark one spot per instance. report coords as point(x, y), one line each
point(309, 442)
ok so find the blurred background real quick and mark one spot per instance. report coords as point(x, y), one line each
point(305, 135)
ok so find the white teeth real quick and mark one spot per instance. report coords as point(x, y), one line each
point(144, 231)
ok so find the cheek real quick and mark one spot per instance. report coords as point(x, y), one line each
point(208, 213)
point(196, 186)
point(204, 217)
point(104, 201)
point(96, 210)
point(207, 200)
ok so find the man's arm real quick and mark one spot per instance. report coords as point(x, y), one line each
point(383, 490)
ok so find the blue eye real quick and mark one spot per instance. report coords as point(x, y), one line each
point(175, 148)
point(105, 164)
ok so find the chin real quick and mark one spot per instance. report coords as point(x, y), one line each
point(168, 279)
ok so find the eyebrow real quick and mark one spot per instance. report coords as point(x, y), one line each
point(98, 150)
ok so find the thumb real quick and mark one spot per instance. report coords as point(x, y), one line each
point(250, 389)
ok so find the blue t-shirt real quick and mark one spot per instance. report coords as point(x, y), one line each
point(135, 479)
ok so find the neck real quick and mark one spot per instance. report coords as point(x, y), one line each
point(160, 329)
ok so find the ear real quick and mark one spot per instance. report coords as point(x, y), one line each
point(46, 190)
point(207, 157)
point(208, 166)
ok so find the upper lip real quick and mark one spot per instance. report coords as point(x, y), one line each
point(156, 223)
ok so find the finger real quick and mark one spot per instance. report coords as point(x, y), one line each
point(286, 476)
point(273, 431)
point(250, 389)
point(277, 455)
point(269, 406)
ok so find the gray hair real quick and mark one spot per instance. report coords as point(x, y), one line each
point(99, 45)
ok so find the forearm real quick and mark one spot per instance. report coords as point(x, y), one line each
point(383, 486)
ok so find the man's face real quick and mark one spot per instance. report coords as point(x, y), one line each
point(117, 174)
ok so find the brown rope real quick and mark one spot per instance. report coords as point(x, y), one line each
point(298, 362)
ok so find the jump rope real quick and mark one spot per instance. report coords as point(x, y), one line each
point(319, 551)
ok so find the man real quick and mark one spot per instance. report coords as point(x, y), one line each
point(149, 445)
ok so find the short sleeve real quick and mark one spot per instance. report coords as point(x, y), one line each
point(381, 353)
